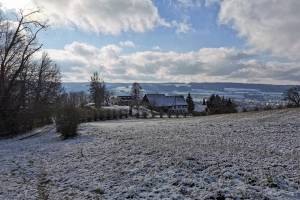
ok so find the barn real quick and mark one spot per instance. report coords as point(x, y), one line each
point(161, 102)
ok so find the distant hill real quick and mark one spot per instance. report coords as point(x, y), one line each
point(124, 88)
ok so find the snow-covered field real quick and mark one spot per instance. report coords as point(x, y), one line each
point(237, 156)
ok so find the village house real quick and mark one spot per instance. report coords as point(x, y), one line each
point(124, 100)
point(161, 102)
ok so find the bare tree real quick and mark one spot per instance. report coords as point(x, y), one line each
point(107, 96)
point(293, 96)
point(25, 83)
point(18, 45)
point(136, 94)
point(97, 90)
point(79, 99)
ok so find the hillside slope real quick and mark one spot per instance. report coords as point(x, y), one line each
point(246, 156)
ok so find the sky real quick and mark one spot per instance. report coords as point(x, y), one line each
point(248, 41)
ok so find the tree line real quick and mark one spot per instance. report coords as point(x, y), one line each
point(31, 93)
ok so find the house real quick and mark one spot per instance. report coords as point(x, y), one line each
point(165, 103)
point(122, 100)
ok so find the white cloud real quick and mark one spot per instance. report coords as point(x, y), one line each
point(16, 4)
point(99, 16)
point(269, 25)
point(127, 43)
point(182, 27)
point(79, 60)
point(103, 16)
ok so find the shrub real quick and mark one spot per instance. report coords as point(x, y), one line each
point(100, 114)
point(115, 114)
point(95, 115)
point(89, 115)
point(268, 107)
point(153, 114)
point(137, 115)
point(160, 114)
point(67, 121)
point(109, 114)
point(104, 114)
point(256, 108)
point(280, 107)
point(121, 114)
point(197, 114)
point(126, 114)
point(290, 105)
point(145, 115)
point(82, 114)
point(99, 191)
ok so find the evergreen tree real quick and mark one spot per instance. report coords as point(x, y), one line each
point(97, 90)
point(204, 102)
point(217, 105)
point(190, 102)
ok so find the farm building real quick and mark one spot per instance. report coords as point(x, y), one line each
point(165, 103)
point(122, 100)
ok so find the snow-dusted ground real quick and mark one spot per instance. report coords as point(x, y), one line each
point(238, 156)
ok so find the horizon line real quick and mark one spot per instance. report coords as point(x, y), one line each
point(188, 83)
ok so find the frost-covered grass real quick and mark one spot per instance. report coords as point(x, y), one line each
point(238, 156)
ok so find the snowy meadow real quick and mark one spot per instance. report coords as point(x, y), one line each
point(253, 155)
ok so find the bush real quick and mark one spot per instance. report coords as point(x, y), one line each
point(95, 115)
point(153, 114)
point(126, 114)
point(100, 114)
point(289, 105)
point(161, 114)
point(115, 114)
point(280, 107)
point(198, 114)
point(137, 115)
point(120, 113)
point(268, 107)
point(109, 114)
point(67, 121)
point(89, 115)
point(145, 115)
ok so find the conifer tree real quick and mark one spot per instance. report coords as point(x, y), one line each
point(190, 102)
